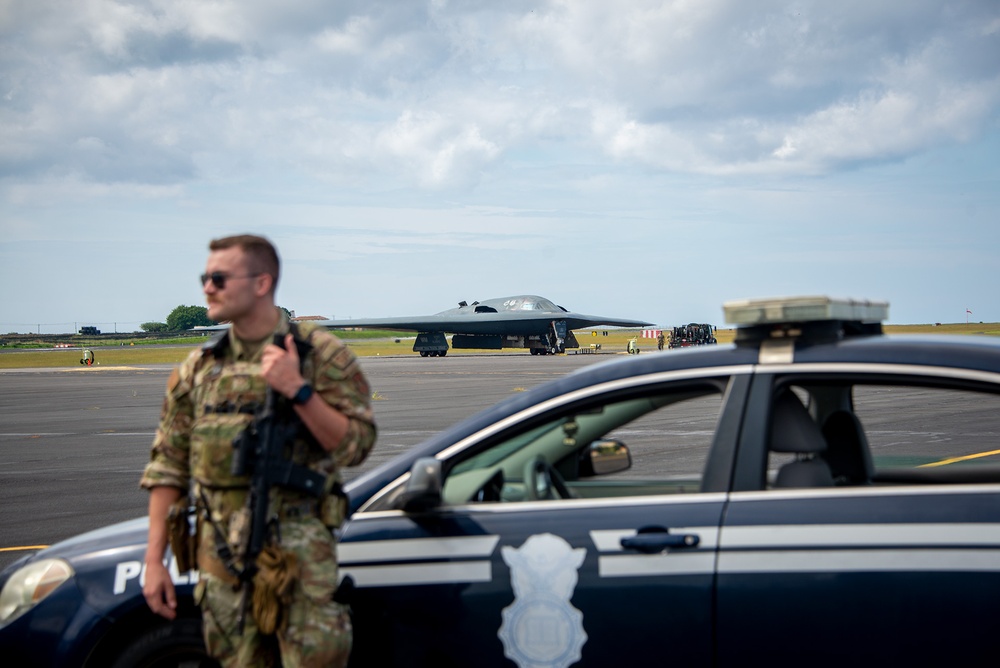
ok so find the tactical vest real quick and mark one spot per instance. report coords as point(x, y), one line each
point(225, 395)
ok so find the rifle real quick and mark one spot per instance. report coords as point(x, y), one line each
point(260, 454)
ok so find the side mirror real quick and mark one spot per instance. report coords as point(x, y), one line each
point(423, 489)
point(604, 457)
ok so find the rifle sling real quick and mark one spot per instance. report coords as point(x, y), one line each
point(223, 563)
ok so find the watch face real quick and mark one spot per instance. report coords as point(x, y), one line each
point(303, 394)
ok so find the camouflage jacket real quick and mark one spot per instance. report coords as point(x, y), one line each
point(213, 395)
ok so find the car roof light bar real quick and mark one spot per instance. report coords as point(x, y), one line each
point(815, 317)
point(802, 309)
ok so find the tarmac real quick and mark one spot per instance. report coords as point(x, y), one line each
point(74, 441)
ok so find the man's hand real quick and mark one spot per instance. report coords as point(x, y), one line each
point(159, 590)
point(280, 367)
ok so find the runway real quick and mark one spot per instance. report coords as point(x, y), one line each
point(73, 443)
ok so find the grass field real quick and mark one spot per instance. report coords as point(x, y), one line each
point(113, 354)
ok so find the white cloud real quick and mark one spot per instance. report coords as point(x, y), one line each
point(438, 150)
point(432, 95)
point(352, 39)
point(561, 134)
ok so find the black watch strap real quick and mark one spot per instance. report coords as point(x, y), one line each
point(303, 395)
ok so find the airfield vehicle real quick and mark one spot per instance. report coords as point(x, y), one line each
point(693, 334)
point(816, 493)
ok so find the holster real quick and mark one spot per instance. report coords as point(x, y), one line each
point(333, 507)
point(183, 543)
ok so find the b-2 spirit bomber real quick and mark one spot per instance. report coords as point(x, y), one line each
point(521, 321)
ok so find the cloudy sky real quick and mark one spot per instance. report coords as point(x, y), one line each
point(636, 159)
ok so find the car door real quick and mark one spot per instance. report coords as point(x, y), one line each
point(889, 557)
point(582, 532)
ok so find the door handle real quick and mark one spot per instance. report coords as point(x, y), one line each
point(654, 541)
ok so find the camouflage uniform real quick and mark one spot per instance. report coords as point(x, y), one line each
point(210, 399)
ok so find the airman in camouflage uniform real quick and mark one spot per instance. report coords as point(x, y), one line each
point(211, 398)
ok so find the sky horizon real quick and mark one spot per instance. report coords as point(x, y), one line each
point(647, 160)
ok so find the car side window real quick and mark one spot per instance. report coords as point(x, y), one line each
point(930, 434)
point(838, 434)
point(656, 443)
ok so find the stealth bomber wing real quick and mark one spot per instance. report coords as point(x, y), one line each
point(522, 321)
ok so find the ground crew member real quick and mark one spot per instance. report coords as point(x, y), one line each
point(211, 398)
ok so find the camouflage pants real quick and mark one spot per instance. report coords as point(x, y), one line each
point(318, 632)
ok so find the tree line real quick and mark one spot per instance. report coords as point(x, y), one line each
point(186, 317)
point(180, 319)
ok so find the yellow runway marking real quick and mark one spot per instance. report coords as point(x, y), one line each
point(952, 460)
point(20, 549)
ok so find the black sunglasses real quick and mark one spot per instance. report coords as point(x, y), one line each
point(219, 278)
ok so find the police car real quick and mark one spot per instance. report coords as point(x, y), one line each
point(816, 493)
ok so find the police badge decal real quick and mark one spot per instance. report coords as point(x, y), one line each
point(541, 628)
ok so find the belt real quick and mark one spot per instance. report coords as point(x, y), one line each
point(300, 510)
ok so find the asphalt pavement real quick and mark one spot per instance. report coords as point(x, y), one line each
point(73, 442)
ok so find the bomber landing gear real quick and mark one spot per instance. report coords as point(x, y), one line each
point(431, 344)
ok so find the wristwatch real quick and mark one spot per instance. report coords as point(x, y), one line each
point(303, 395)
